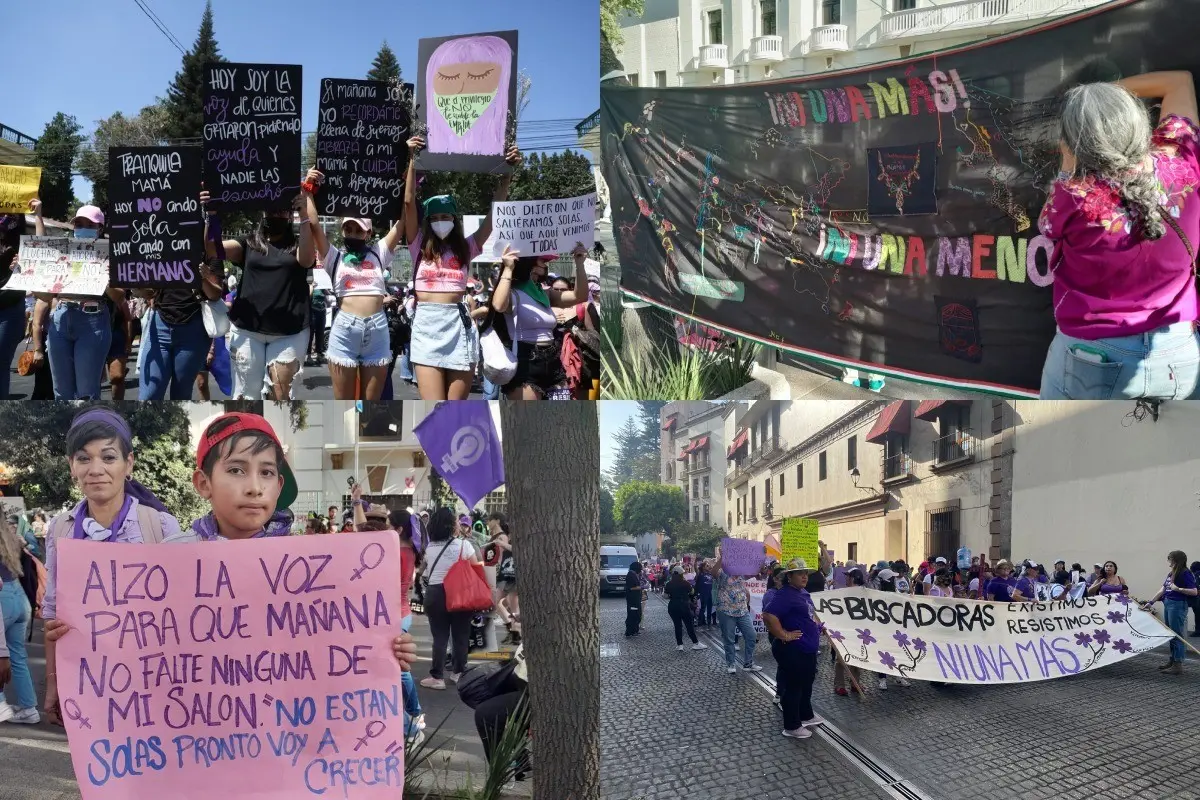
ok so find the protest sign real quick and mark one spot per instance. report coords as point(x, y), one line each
point(18, 185)
point(762, 208)
point(543, 227)
point(261, 668)
point(758, 590)
point(58, 265)
point(460, 440)
point(362, 148)
point(466, 101)
point(971, 641)
point(799, 539)
point(741, 556)
point(155, 221)
point(252, 135)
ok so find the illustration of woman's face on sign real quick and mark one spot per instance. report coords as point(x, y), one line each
point(468, 82)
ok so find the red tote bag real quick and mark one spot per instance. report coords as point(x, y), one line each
point(467, 588)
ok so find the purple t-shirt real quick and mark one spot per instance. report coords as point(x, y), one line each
point(1000, 589)
point(1027, 589)
point(1186, 581)
point(793, 607)
point(1108, 281)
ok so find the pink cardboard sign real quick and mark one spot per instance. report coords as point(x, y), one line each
point(254, 669)
point(741, 556)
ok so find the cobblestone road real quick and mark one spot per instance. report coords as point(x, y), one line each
point(1124, 731)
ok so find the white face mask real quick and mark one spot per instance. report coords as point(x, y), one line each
point(442, 229)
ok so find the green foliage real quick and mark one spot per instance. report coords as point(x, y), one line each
point(55, 154)
point(647, 506)
point(163, 459)
point(700, 538)
point(635, 457)
point(308, 157)
point(185, 97)
point(146, 129)
point(553, 175)
point(608, 524)
point(686, 373)
point(385, 67)
point(611, 12)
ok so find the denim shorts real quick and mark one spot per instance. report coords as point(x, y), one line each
point(359, 341)
point(443, 336)
point(1163, 364)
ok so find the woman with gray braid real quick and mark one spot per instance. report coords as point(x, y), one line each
point(1124, 218)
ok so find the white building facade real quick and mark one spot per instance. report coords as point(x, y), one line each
point(691, 452)
point(705, 42)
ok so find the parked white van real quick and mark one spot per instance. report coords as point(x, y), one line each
point(615, 561)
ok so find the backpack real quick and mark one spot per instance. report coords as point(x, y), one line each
point(63, 526)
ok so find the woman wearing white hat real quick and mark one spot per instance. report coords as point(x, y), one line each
point(790, 619)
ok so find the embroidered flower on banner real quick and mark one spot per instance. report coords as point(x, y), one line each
point(887, 659)
point(901, 638)
point(864, 634)
point(1116, 616)
point(1122, 646)
point(1102, 636)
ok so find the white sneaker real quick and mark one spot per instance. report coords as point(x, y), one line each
point(679, 648)
point(454, 677)
point(732, 670)
point(6, 712)
point(799, 733)
point(433, 683)
point(883, 684)
point(26, 716)
point(904, 681)
point(421, 722)
point(415, 740)
point(753, 668)
point(699, 646)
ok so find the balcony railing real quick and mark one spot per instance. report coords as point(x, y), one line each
point(17, 138)
point(736, 473)
point(829, 38)
point(953, 448)
point(897, 466)
point(767, 451)
point(973, 14)
point(766, 48)
point(714, 56)
point(585, 127)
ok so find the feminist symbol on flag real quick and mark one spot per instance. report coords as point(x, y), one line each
point(466, 447)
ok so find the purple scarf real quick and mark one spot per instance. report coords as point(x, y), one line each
point(280, 524)
point(88, 528)
point(115, 421)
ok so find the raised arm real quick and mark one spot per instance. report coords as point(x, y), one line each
point(580, 293)
point(513, 156)
point(391, 239)
point(39, 225)
point(409, 218)
point(306, 253)
point(320, 240)
point(1176, 89)
point(502, 294)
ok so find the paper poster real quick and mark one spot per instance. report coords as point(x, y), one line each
point(18, 185)
point(800, 540)
point(362, 148)
point(466, 101)
point(758, 590)
point(155, 220)
point(58, 265)
point(544, 227)
point(252, 135)
point(259, 668)
point(741, 556)
point(969, 641)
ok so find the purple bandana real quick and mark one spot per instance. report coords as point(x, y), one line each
point(280, 524)
point(88, 528)
point(119, 424)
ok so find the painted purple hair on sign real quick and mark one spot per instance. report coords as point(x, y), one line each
point(741, 556)
point(466, 97)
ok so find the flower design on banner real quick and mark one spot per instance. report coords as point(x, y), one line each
point(1123, 599)
point(1083, 639)
point(837, 636)
point(864, 634)
point(1116, 616)
point(901, 638)
point(920, 645)
point(887, 659)
point(1102, 636)
point(1122, 646)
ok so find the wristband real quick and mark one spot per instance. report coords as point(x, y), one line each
point(309, 187)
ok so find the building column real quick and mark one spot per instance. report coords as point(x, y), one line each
point(1000, 504)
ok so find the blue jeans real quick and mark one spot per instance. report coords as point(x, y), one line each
point(17, 614)
point(12, 331)
point(1160, 365)
point(729, 628)
point(175, 354)
point(412, 703)
point(406, 372)
point(490, 390)
point(1175, 615)
point(77, 344)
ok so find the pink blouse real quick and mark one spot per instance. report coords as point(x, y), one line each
point(447, 274)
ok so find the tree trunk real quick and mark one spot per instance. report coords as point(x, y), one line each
point(552, 472)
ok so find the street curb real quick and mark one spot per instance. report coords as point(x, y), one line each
point(765, 384)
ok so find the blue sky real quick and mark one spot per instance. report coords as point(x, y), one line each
point(613, 415)
point(106, 55)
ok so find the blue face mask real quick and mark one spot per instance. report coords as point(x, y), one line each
point(87, 233)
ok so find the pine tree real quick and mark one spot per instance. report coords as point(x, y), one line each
point(185, 97)
point(55, 154)
point(385, 67)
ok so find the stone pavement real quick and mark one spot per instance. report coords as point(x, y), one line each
point(1119, 732)
point(675, 725)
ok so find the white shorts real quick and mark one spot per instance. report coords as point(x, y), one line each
point(251, 353)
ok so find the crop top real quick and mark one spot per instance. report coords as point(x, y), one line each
point(364, 278)
point(447, 274)
point(534, 322)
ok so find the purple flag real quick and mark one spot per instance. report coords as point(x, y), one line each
point(460, 441)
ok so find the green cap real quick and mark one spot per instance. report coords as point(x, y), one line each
point(441, 204)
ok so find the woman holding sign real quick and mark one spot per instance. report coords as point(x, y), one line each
point(360, 344)
point(269, 317)
point(444, 348)
point(114, 508)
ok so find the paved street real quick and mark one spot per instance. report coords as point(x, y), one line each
point(37, 764)
point(674, 721)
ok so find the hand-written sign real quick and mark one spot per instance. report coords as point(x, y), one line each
point(261, 668)
point(968, 641)
point(57, 265)
point(544, 227)
point(799, 540)
point(252, 135)
point(157, 229)
point(361, 148)
point(757, 589)
point(741, 556)
point(18, 185)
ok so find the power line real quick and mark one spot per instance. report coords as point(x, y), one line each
point(164, 24)
point(161, 27)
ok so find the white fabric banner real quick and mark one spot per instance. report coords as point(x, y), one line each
point(971, 641)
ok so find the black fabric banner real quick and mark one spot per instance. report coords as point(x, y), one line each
point(882, 218)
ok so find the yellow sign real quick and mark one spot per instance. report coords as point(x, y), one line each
point(799, 540)
point(18, 185)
